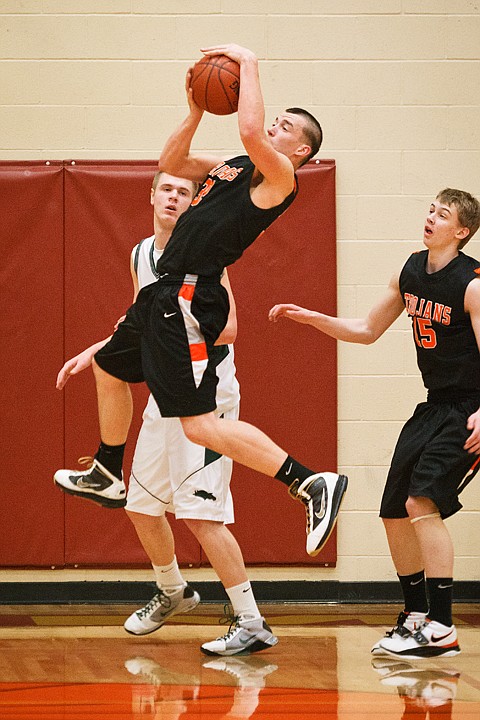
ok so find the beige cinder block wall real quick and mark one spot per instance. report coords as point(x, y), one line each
point(395, 84)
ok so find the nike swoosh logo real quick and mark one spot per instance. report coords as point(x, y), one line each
point(289, 469)
point(88, 485)
point(417, 582)
point(442, 637)
point(244, 642)
point(444, 587)
point(167, 315)
point(323, 506)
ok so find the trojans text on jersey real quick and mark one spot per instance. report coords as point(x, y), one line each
point(428, 309)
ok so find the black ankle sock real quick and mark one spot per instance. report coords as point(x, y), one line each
point(111, 457)
point(291, 470)
point(440, 592)
point(414, 592)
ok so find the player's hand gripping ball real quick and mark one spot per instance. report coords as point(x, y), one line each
point(215, 84)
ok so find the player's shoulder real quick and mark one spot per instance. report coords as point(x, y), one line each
point(144, 244)
point(470, 262)
point(416, 259)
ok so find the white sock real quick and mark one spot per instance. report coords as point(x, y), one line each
point(243, 601)
point(168, 577)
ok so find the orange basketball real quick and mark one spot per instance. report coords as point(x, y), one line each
point(215, 84)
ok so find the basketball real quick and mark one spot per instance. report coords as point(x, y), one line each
point(215, 84)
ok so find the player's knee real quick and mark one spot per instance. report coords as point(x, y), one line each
point(417, 506)
point(103, 378)
point(202, 528)
point(195, 430)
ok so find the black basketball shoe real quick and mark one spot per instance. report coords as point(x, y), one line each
point(322, 495)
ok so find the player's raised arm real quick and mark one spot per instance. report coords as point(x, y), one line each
point(176, 158)
point(273, 165)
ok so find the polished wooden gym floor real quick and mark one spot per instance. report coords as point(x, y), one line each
point(77, 663)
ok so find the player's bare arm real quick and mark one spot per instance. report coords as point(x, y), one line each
point(83, 360)
point(363, 330)
point(274, 169)
point(176, 158)
point(472, 306)
point(78, 363)
point(134, 279)
point(229, 332)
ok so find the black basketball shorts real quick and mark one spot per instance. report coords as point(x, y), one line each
point(167, 340)
point(429, 459)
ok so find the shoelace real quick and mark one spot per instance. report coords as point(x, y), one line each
point(227, 616)
point(399, 627)
point(232, 630)
point(159, 599)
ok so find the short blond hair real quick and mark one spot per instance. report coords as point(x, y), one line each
point(468, 210)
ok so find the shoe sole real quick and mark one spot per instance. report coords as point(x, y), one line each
point(104, 502)
point(378, 652)
point(194, 601)
point(427, 654)
point(338, 495)
point(256, 646)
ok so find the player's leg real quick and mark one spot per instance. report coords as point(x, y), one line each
point(402, 540)
point(248, 630)
point(173, 594)
point(149, 495)
point(321, 493)
point(115, 407)
point(181, 375)
point(436, 481)
point(202, 498)
point(436, 635)
point(103, 482)
point(115, 365)
point(407, 558)
point(222, 550)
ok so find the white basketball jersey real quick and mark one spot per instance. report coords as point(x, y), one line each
point(144, 259)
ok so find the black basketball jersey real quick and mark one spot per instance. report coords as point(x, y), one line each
point(447, 351)
point(220, 224)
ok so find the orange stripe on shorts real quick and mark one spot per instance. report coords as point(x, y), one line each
point(198, 351)
point(186, 292)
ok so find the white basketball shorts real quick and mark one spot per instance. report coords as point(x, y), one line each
point(170, 473)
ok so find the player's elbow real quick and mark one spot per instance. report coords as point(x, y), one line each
point(364, 334)
point(366, 340)
point(251, 135)
point(369, 336)
point(167, 164)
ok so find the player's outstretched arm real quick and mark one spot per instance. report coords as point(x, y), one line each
point(176, 158)
point(78, 363)
point(364, 331)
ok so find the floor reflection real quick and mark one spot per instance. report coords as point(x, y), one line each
point(100, 673)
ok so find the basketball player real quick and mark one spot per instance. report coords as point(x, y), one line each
point(169, 333)
point(435, 454)
point(169, 472)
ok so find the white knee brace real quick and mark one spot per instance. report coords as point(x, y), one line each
point(425, 517)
